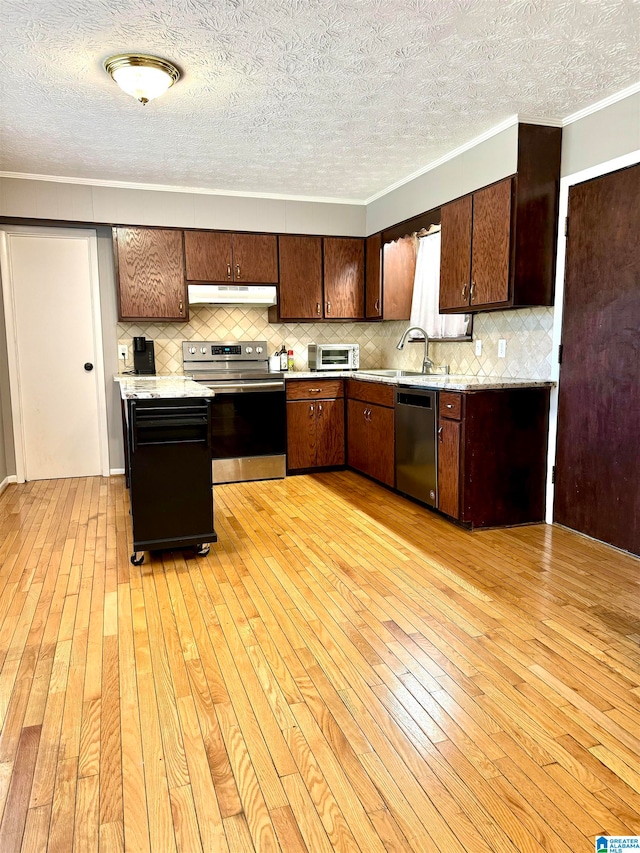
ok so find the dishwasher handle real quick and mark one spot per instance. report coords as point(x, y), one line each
point(419, 400)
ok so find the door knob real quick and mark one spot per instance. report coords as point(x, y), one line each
point(88, 366)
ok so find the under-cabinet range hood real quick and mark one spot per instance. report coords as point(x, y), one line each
point(232, 294)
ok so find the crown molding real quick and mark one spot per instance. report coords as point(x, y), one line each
point(477, 140)
point(603, 104)
point(545, 121)
point(167, 188)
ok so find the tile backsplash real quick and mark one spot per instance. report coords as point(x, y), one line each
point(528, 333)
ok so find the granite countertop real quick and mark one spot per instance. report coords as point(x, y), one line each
point(160, 387)
point(442, 382)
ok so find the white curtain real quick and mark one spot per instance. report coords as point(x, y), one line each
point(426, 294)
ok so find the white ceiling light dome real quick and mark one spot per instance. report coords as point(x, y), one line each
point(143, 76)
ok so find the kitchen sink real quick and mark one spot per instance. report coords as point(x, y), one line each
point(394, 374)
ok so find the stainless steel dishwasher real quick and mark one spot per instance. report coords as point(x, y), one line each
point(416, 444)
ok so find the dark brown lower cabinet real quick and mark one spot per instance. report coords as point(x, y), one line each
point(315, 427)
point(449, 467)
point(370, 430)
point(492, 454)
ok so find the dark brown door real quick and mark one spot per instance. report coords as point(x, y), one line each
point(373, 282)
point(357, 435)
point(399, 274)
point(491, 244)
point(449, 467)
point(301, 434)
point(329, 432)
point(343, 278)
point(255, 258)
point(380, 439)
point(598, 460)
point(150, 274)
point(455, 254)
point(300, 277)
point(207, 256)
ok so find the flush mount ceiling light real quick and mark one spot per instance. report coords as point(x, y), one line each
point(145, 77)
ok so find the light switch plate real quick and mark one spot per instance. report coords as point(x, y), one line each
point(123, 351)
point(478, 347)
point(502, 348)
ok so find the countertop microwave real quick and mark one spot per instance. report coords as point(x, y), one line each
point(333, 356)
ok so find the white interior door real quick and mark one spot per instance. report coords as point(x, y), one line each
point(53, 329)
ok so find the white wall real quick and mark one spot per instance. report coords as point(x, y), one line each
point(122, 206)
point(601, 136)
point(489, 161)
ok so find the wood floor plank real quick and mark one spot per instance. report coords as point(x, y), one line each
point(344, 671)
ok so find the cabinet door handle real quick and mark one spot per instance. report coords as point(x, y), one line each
point(472, 292)
point(314, 390)
point(376, 305)
point(449, 406)
point(181, 307)
point(440, 434)
point(464, 292)
point(318, 308)
point(328, 308)
point(228, 270)
point(238, 276)
point(319, 411)
point(311, 408)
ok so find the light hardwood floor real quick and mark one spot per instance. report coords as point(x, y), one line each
point(345, 671)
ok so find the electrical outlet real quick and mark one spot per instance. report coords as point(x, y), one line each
point(123, 351)
point(502, 348)
point(478, 347)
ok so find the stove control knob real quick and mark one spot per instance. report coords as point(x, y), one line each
point(248, 349)
point(203, 350)
point(192, 350)
point(258, 350)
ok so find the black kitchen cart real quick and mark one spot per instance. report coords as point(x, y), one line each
point(169, 474)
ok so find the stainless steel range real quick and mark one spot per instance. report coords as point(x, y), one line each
point(248, 431)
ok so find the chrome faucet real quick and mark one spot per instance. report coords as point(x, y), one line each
point(427, 364)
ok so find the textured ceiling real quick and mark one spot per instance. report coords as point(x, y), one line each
point(337, 98)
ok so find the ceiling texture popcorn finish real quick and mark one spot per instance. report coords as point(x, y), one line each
point(319, 98)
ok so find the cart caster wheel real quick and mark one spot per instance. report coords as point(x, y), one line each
point(137, 558)
point(202, 550)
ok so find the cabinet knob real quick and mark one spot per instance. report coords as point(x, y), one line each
point(311, 410)
point(449, 405)
point(238, 271)
point(318, 308)
point(181, 307)
point(472, 291)
point(319, 411)
point(440, 433)
point(328, 308)
point(464, 292)
point(228, 270)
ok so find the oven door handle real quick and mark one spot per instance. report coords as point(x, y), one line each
point(245, 387)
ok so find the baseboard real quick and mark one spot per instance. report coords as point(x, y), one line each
point(11, 478)
point(113, 472)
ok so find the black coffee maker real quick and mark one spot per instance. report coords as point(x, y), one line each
point(144, 361)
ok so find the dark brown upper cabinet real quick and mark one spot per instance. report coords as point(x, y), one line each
point(398, 274)
point(390, 272)
point(499, 243)
point(301, 294)
point(216, 256)
point(343, 278)
point(373, 280)
point(150, 274)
